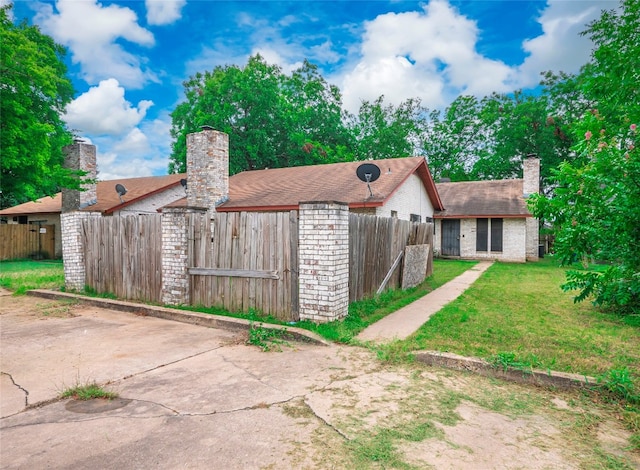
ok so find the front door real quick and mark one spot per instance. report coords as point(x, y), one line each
point(450, 237)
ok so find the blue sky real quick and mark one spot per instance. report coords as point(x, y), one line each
point(128, 59)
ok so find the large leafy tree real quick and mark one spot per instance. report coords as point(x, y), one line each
point(273, 119)
point(519, 125)
point(387, 131)
point(454, 140)
point(595, 208)
point(34, 91)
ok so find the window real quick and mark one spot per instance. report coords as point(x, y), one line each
point(415, 218)
point(496, 234)
point(394, 214)
point(482, 234)
point(484, 227)
point(21, 219)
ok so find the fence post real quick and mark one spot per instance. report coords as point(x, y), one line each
point(73, 249)
point(323, 260)
point(177, 249)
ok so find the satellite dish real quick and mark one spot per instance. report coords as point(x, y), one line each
point(368, 173)
point(183, 182)
point(121, 190)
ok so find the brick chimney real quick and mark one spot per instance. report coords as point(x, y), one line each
point(80, 156)
point(531, 175)
point(207, 168)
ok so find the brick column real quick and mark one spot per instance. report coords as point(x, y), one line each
point(73, 250)
point(177, 254)
point(531, 185)
point(324, 260)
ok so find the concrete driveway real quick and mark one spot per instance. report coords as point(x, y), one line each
point(197, 397)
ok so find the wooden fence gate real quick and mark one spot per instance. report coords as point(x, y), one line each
point(123, 256)
point(246, 261)
point(33, 241)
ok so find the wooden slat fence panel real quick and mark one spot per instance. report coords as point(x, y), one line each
point(123, 256)
point(374, 244)
point(254, 245)
point(27, 241)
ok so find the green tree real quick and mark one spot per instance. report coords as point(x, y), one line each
point(34, 91)
point(273, 120)
point(595, 208)
point(521, 124)
point(454, 140)
point(387, 131)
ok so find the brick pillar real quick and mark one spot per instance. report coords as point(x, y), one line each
point(323, 249)
point(80, 157)
point(73, 250)
point(207, 169)
point(177, 254)
point(531, 185)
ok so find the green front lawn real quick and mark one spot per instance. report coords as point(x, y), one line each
point(23, 275)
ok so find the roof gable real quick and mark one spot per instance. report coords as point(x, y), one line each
point(285, 188)
point(494, 198)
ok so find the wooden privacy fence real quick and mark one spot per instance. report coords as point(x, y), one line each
point(123, 256)
point(240, 260)
point(374, 245)
point(247, 260)
point(27, 241)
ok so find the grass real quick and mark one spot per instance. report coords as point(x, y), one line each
point(23, 275)
point(365, 312)
point(266, 339)
point(88, 392)
point(517, 312)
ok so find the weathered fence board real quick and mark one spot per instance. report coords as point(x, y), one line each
point(27, 241)
point(243, 261)
point(374, 245)
point(123, 256)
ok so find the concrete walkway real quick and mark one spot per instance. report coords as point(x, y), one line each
point(406, 321)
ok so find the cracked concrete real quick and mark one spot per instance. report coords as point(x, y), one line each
point(201, 398)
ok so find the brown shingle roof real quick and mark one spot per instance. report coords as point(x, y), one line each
point(108, 200)
point(285, 188)
point(499, 198)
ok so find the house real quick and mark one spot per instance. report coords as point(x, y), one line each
point(144, 195)
point(489, 219)
point(481, 219)
point(405, 189)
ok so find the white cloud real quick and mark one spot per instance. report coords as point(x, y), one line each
point(103, 110)
point(143, 151)
point(430, 54)
point(91, 32)
point(4, 3)
point(560, 46)
point(161, 12)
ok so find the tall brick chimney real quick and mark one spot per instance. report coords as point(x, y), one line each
point(531, 175)
point(80, 156)
point(207, 168)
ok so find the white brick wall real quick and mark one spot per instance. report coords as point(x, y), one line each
point(72, 248)
point(175, 251)
point(323, 233)
point(513, 240)
point(410, 198)
point(151, 204)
